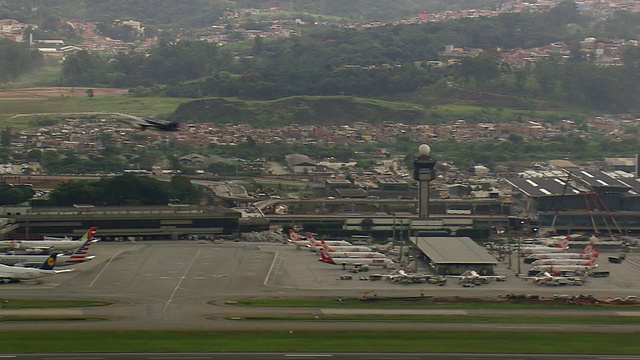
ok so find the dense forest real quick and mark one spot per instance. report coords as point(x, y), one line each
point(16, 58)
point(123, 190)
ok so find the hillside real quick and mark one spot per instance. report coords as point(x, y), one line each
point(198, 13)
point(304, 110)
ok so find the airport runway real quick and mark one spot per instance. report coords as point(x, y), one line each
point(185, 286)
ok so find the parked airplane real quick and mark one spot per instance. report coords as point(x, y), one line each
point(326, 258)
point(15, 274)
point(534, 249)
point(566, 261)
point(546, 278)
point(383, 249)
point(472, 277)
point(565, 268)
point(350, 248)
point(404, 277)
point(295, 239)
point(79, 256)
point(45, 246)
point(317, 244)
point(584, 254)
point(145, 123)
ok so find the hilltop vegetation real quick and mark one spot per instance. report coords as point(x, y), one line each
point(386, 62)
point(200, 13)
point(389, 62)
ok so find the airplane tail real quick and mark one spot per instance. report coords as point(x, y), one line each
point(89, 235)
point(49, 263)
point(293, 236)
point(324, 257)
point(313, 241)
point(588, 249)
point(80, 254)
point(565, 243)
point(326, 247)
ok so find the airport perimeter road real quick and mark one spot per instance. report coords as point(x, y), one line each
point(185, 286)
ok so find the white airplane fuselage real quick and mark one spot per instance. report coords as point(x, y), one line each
point(35, 260)
point(48, 245)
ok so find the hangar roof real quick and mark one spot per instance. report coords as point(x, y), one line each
point(538, 184)
point(454, 250)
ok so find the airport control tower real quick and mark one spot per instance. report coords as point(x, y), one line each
point(424, 171)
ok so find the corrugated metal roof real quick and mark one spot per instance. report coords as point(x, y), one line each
point(537, 184)
point(454, 250)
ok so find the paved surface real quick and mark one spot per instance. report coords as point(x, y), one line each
point(186, 285)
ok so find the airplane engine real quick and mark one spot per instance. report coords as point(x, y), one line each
point(35, 251)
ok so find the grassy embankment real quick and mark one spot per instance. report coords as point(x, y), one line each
point(376, 341)
point(26, 113)
point(20, 114)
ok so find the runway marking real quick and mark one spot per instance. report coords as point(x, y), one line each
point(105, 267)
point(184, 275)
point(273, 264)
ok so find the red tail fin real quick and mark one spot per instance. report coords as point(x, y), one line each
point(588, 248)
point(313, 241)
point(293, 236)
point(324, 257)
point(565, 243)
point(326, 247)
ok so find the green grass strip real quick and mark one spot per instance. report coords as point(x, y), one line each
point(417, 303)
point(43, 304)
point(451, 319)
point(315, 341)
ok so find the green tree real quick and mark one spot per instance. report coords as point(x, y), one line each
point(5, 137)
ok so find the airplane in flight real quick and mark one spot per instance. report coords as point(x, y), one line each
point(14, 274)
point(584, 254)
point(79, 256)
point(567, 261)
point(472, 277)
point(326, 258)
point(146, 123)
point(46, 246)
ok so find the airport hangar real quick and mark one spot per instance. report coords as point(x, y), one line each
point(455, 255)
point(579, 200)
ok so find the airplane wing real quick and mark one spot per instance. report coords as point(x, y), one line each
point(63, 271)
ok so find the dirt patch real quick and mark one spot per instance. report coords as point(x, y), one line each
point(57, 92)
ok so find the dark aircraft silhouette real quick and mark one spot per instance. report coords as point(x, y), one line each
point(144, 123)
